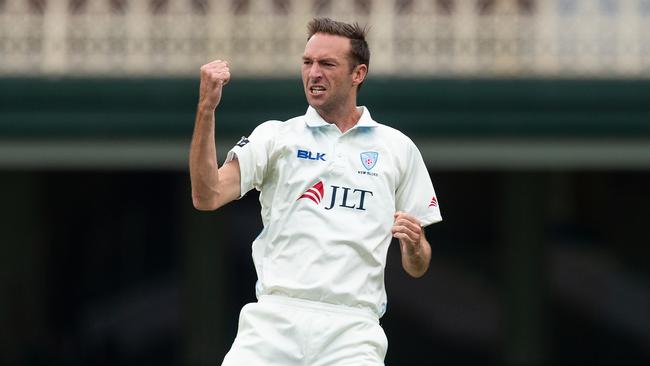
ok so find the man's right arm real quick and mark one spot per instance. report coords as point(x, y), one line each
point(212, 187)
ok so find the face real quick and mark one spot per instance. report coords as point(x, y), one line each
point(326, 75)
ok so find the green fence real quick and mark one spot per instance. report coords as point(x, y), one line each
point(153, 108)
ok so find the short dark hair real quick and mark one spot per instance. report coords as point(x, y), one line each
point(359, 51)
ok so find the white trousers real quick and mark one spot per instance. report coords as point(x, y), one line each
point(285, 331)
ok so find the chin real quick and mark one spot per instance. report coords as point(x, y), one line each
point(315, 103)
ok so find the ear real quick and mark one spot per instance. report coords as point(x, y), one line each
point(359, 74)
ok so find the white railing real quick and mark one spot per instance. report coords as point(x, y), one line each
point(502, 38)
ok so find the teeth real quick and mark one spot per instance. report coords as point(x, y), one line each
point(317, 89)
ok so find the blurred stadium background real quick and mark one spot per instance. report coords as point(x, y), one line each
point(532, 115)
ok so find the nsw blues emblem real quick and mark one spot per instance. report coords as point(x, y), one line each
point(369, 159)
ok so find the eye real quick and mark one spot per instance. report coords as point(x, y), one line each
point(306, 62)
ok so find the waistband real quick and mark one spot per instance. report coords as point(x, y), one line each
point(319, 306)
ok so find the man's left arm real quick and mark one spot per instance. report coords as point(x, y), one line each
point(415, 249)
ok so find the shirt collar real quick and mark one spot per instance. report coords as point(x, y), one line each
point(313, 119)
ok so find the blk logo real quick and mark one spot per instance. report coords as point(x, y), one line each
point(306, 154)
point(346, 197)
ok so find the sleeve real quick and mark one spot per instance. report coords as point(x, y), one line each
point(415, 194)
point(253, 154)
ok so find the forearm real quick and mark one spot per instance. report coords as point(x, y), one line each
point(204, 172)
point(416, 258)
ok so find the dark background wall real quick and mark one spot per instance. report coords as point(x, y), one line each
point(542, 257)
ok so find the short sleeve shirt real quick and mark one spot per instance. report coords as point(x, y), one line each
point(327, 204)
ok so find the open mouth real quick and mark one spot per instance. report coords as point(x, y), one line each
point(316, 90)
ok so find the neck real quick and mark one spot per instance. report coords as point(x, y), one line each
point(344, 118)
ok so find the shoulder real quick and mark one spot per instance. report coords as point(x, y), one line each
point(280, 126)
point(268, 126)
point(293, 124)
point(274, 133)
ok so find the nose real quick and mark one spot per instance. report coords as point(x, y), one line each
point(314, 71)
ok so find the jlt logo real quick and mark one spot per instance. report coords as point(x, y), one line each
point(354, 198)
point(349, 197)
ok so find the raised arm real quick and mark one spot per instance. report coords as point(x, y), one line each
point(415, 249)
point(212, 187)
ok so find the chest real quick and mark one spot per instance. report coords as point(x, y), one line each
point(353, 171)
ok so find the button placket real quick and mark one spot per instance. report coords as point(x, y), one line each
point(331, 163)
point(338, 165)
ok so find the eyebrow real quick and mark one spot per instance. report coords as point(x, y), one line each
point(329, 59)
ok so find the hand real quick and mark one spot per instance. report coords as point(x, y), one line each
point(214, 76)
point(407, 229)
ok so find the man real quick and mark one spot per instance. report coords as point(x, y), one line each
point(335, 185)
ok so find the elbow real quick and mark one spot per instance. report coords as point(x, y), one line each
point(204, 204)
point(416, 273)
point(417, 269)
point(415, 266)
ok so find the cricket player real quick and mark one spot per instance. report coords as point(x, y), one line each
point(335, 187)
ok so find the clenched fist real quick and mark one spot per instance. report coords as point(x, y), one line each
point(214, 76)
point(407, 229)
point(416, 250)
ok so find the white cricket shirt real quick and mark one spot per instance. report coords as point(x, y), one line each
point(327, 204)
